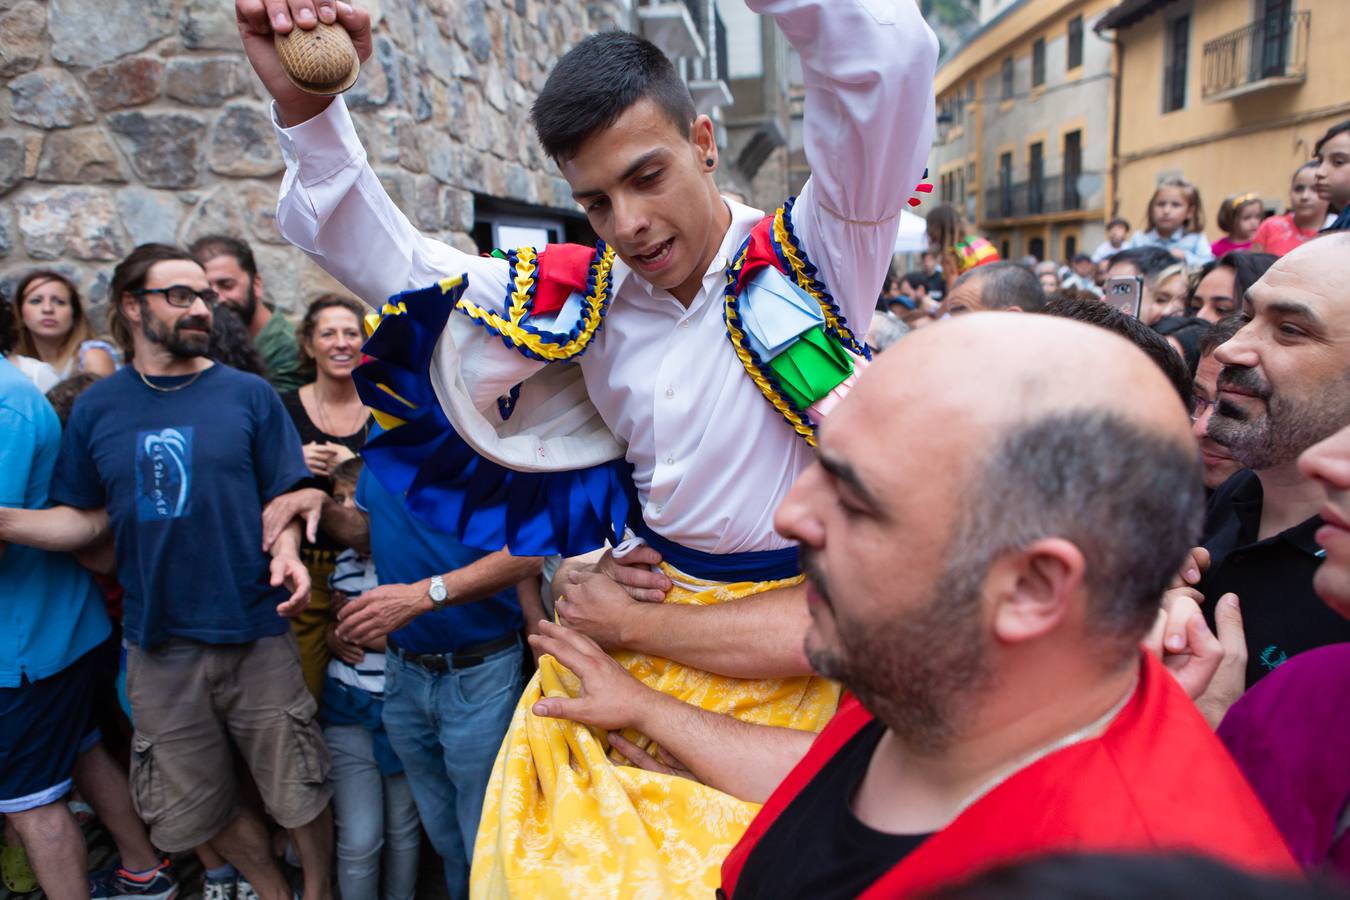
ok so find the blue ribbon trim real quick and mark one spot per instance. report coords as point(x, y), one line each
point(728, 568)
point(444, 481)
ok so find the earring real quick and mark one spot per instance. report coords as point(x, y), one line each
point(710, 162)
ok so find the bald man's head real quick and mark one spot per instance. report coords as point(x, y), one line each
point(984, 446)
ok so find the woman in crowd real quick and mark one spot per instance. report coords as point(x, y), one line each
point(1306, 216)
point(1185, 335)
point(1168, 293)
point(1176, 223)
point(333, 424)
point(1223, 283)
point(959, 249)
point(53, 327)
point(1239, 217)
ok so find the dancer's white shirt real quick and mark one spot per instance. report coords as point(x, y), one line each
point(712, 459)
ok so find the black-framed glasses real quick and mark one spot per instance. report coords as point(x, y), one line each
point(181, 296)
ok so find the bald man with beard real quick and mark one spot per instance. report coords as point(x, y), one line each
point(1001, 703)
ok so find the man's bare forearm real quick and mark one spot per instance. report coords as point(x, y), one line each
point(60, 529)
point(288, 542)
point(489, 575)
point(754, 637)
point(745, 760)
point(349, 527)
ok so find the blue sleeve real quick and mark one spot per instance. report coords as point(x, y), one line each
point(1199, 251)
point(17, 452)
point(75, 481)
point(278, 461)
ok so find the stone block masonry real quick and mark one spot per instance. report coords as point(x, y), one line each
point(127, 121)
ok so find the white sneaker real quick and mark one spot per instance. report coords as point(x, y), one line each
point(243, 890)
point(224, 890)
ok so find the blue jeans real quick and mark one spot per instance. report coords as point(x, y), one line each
point(377, 827)
point(446, 729)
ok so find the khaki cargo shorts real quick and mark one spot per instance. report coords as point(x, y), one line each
point(194, 705)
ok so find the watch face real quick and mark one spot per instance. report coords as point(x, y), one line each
point(437, 591)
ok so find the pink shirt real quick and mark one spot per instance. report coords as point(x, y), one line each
point(1226, 244)
point(1279, 235)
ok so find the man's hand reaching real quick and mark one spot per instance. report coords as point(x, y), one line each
point(610, 698)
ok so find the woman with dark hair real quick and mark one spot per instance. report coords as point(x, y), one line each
point(54, 329)
point(231, 343)
point(333, 425)
point(1307, 214)
point(1185, 336)
point(1223, 283)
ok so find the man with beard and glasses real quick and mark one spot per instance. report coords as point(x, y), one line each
point(178, 455)
point(1284, 386)
point(1002, 703)
point(233, 274)
point(1218, 462)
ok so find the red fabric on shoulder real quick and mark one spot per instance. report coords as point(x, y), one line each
point(1157, 780)
point(759, 253)
point(847, 721)
point(564, 269)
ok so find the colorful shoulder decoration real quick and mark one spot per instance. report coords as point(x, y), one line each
point(785, 327)
point(448, 484)
point(556, 300)
point(973, 251)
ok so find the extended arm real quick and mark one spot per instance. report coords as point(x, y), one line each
point(760, 636)
point(348, 526)
point(867, 66)
point(744, 760)
point(391, 606)
point(62, 529)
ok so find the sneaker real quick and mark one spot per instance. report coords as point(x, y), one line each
point(222, 889)
point(244, 890)
point(116, 884)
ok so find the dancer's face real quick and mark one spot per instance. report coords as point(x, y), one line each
point(647, 189)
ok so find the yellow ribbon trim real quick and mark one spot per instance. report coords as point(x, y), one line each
point(798, 266)
point(522, 291)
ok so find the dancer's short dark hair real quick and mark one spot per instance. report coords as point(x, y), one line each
point(597, 81)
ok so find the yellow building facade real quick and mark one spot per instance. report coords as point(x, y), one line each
point(1230, 94)
point(1023, 142)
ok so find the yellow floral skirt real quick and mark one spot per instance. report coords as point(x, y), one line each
point(563, 819)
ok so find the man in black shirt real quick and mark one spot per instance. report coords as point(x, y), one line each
point(1069, 489)
point(1284, 386)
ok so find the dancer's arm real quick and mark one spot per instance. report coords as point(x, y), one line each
point(867, 67)
point(333, 207)
point(744, 760)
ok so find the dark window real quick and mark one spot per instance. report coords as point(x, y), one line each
point(1036, 179)
point(1070, 248)
point(1036, 248)
point(1073, 168)
point(1174, 75)
point(1075, 43)
point(1038, 63)
point(1003, 249)
point(1007, 78)
point(1005, 164)
point(1276, 24)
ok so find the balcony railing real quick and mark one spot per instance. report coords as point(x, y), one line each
point(1270, 51)
point(1054, 194)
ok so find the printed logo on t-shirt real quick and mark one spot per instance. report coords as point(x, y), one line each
point(163, 473)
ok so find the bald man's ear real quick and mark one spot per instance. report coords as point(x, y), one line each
point(1034, 590)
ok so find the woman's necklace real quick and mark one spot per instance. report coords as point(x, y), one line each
point(323, 417)
point(169, 390)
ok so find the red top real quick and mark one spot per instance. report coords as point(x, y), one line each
point(1279, 235)
point(1156, 780)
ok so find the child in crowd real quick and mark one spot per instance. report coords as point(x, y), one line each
point(1175, 223)
point(377, 826)
point(959, 249)
point(1333, 173)
point(1307, 214)
point(1117, 231)
point(1239, 218)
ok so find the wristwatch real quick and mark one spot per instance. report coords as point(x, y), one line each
point(437, 593)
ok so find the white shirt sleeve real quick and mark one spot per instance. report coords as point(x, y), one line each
point(868, 68)
point(334, 208)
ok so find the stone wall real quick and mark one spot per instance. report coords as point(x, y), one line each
point(126, 121)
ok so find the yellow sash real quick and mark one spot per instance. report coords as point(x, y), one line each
point(561, 819)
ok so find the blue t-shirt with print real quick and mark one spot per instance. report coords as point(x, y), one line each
point(405, 550)
point(51, 611)
point(185, 474)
